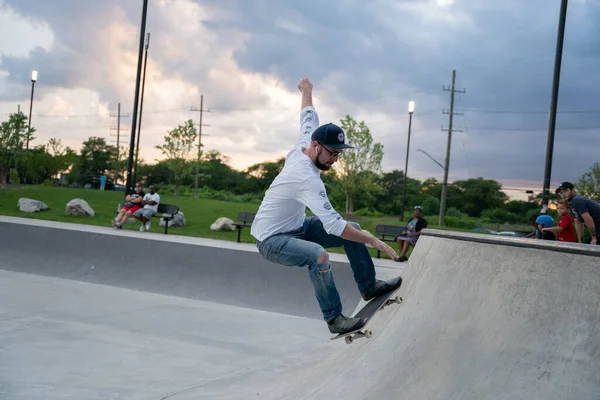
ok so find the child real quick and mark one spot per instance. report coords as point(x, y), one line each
point(565, 230)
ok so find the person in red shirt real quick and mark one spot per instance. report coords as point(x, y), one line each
point(565, 230)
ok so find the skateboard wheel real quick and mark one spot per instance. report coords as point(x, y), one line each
point(368, 334)
point(348, 339)
point(398, 299)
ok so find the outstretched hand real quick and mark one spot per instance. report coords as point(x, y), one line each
point(382, 246)
point(305, 85)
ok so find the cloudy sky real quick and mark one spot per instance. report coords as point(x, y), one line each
point(365, 58)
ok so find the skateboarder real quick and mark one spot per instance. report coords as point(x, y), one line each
point(284, 234)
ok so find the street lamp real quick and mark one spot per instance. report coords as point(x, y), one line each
point(433, 159)
point(137, 146)
point(136, 98)
point(34, 76)
point(411, 110)
point(553, 105)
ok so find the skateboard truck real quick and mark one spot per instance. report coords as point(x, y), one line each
point(368, 310)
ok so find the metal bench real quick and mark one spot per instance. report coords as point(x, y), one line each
point(387, 231)
point(170, 210)
point(245, 219)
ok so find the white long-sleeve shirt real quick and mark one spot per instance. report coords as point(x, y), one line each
point(297, 186)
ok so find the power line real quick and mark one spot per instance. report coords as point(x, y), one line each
point(531, 112)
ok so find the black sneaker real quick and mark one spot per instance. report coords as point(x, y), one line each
point(381, 287)
point(343, 324)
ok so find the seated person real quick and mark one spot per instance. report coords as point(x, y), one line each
point(411, 233)
point(150, 203)
point(133, 202)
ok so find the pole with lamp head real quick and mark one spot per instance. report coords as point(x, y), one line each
point(34, 77)
point(411, 110)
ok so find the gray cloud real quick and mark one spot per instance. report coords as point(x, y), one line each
point(366, 59)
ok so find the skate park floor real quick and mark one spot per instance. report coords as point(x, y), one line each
point(94, 313)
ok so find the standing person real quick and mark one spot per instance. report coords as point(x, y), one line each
point(102, 181)
point(150, 202)
point(586, 211)
point(411, 233)
point(285, 235)
point(565, 232)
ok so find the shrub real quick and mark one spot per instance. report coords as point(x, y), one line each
point(47, 182)
point(367, 212)
point(14, 177)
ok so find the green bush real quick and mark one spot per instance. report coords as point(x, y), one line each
point(367, 212)
point(462, 223)
point(500, 215)
point(455, 212)
point(47, 182)
point(14, 177)
point(431, 206)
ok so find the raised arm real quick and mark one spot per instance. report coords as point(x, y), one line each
point(309, 119)
point(305, 87)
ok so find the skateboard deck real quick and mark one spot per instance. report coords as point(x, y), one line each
point(367, 313)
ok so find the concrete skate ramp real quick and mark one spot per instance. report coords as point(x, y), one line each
point(93, 313)
point(482, 318)
point(172, 265)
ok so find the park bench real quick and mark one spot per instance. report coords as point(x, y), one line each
point(245, 219)
point(388, 233)
point(169, 211)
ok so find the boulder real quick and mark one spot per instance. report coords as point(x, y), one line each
point(30, 205)
point(79, 207)
point(178, 221)
point(223, 224)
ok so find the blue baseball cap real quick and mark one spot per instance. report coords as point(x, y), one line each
point(331, 136)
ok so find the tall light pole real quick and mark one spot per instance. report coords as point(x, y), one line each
point(137, 146)
point(411, 110)
point(34, 77)
point(129, 184)
point(553, 104)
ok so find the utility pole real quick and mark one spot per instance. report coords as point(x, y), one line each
point(452, 90)
point(201, 109)
point(118, 129)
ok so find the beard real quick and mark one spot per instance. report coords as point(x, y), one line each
point(320, 165)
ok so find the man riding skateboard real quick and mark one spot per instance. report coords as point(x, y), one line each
point(285, 235)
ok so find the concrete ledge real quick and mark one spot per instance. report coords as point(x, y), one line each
point(574, 248)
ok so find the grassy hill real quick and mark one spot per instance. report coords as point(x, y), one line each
point(199, 213)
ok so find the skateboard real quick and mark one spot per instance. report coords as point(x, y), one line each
point(367, 313)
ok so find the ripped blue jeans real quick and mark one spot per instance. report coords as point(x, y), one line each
point(304, 246)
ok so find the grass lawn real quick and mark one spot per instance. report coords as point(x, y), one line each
point(199, 213)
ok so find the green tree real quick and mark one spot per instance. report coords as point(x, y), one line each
point(13, 135)
point(95, 159)
point(180, 146)
point(365, 156)
point(390, 199)
point(217, 174)
point(589, 183)
point(259, 176)
point(476, 195)
point(63, 157)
